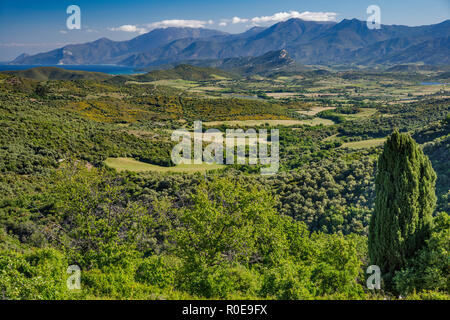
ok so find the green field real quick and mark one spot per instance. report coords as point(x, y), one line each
point(122, 164)
point(364, 113)
point(364, 143)
point(314, 110)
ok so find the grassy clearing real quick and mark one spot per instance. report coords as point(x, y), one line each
point(121, 164)
point(314, 110)
point(176, 83)
point(364, 144)
point(364, 113)
point(217, 77)
point(250, 123)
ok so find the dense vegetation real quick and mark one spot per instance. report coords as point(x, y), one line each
point(231, 233)
point(185, 72)
point(53, 73)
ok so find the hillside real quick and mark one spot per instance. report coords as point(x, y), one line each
point(185, 72)
point(53, 73)
point(273, 61)
point(268, 63)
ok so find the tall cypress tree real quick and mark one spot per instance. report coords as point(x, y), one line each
point(405, 200)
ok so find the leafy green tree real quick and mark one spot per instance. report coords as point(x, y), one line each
point(98, 226)
point(405, 200)
point(227, 225)
point(229, 221)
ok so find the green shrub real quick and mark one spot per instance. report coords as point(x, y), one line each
point(287, 281)
point(159, 271)
point(38, 274)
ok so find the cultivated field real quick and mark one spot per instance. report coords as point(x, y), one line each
point(122, 164)
point(314, 110)
point(364, 143)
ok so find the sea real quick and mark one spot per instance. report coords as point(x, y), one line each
point(105, 68)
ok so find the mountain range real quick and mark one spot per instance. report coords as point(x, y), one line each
point(308, 42)
point(267, 64)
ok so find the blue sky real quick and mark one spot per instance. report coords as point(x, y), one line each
point(37, 26)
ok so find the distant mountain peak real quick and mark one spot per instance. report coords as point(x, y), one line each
point(103, 39)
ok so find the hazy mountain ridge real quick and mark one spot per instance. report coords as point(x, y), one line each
point(104, 51)
point(308, 42)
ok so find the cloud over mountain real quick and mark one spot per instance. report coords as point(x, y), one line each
point(176, 23)
point(306, 15)
point(262, 20)
point(130, 28)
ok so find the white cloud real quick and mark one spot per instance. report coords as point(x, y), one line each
point(63, 31)
point(307, 15)
point(129, 28)
point(283, 16)
point(179, 23)
point(238, 20)
point(277, 17)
